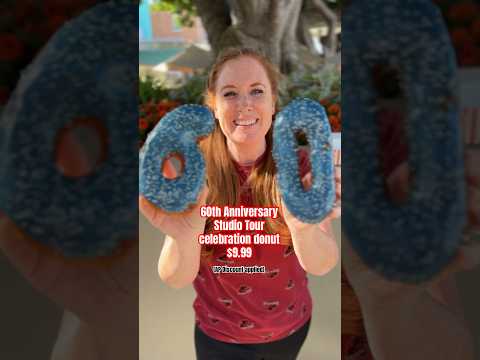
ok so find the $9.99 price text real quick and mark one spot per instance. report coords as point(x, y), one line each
point(239, 252)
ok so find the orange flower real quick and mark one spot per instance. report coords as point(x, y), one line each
point(10, 47)
point(142, 124)
point(161, 113)
point(333, 119)
point(334, 109)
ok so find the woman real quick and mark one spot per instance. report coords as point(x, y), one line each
point(245, 316)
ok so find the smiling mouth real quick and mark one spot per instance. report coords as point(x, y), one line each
point(245, 122)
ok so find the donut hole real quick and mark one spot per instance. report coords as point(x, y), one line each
point(303, 146)
point(173, 166)
point(301, 138)
point(391, 116)
point(81, 147)
point(387, 81)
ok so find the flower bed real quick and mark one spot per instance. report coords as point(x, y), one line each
point(324, 86)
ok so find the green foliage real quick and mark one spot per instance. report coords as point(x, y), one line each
point(314, 84)
point(184, 9)
point(192, 91)
point(150, 89)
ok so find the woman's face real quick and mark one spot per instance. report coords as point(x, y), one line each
point(244, 103)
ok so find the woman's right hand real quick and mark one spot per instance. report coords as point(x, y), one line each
point(178, 226)
point(180, 257)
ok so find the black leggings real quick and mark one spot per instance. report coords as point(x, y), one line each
point(288, 348)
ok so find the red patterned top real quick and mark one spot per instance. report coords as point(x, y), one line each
point(253, 308)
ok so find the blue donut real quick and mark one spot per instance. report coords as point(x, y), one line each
point(86, 70)
point(177, 132)
point(413, 241)
point(309, 116)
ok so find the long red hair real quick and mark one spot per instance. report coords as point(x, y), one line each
point(221, 175)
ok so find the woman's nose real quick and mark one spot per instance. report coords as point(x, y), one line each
point(245, 102)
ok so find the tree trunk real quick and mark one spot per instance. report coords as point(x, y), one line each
point(266, 25)
point(215, 15)
point(332, 22)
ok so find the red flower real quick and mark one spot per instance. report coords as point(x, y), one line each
point(335, 123)
point(142, 124)
point(161, 113)
point(334, 109)
point(10, 47)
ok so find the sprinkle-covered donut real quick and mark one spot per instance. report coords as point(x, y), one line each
point(86, 71)
point(308, 116)
point(411, 241)
point(177, 133)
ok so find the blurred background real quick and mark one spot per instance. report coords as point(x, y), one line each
point(176, 50)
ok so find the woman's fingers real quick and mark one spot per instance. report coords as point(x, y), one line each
point(146, 207)
point(169, 170)
point(338, 187)
point(307, 181)
point(336, 211)
point(467, 258)
point(472, 170)
point(470, 256)
point(72, 157)
point(42, 267)
point(472, 174)
point(398, 183)
point(473, 207)
point(22, 251)
point(153, 214)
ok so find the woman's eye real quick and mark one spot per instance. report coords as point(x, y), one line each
point(257, 91)
point(229, 94)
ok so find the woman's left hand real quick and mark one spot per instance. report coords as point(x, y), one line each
point(295, 225)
